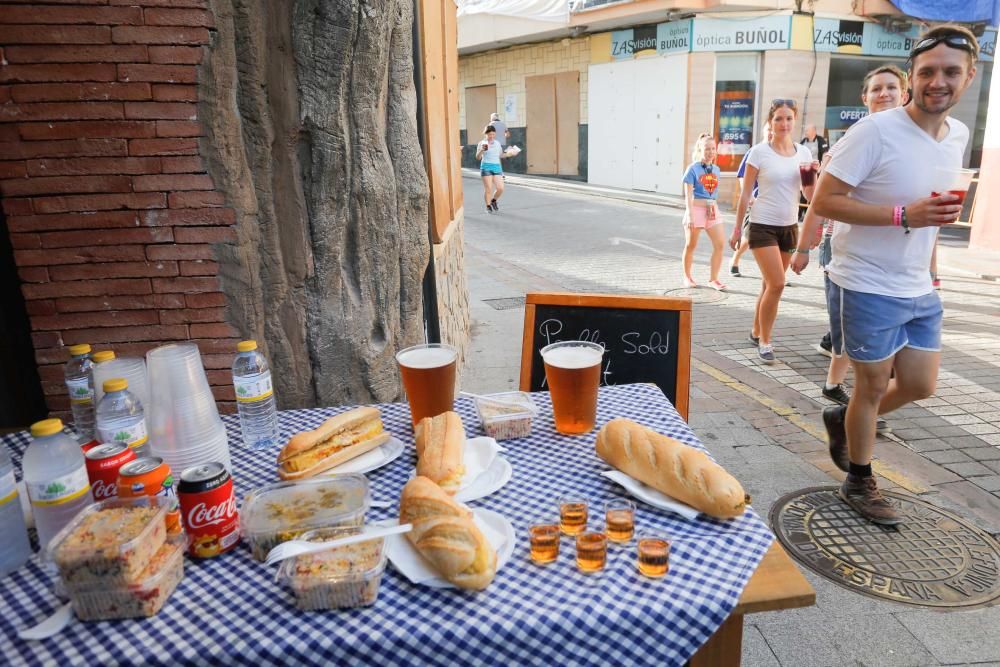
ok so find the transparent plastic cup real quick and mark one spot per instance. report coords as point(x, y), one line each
point(954, 182)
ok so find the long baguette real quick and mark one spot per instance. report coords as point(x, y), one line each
point(440, 445)
point(681, 472)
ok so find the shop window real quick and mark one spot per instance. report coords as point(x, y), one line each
point(736, 77)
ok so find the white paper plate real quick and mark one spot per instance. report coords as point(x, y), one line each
point(491, 481)
point(649, 495)
point(373, 460)
point(496, 528)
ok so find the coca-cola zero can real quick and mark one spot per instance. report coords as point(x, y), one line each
point(208, 510)
point(103, 463)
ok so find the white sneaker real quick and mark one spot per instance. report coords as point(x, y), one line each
point(766, 353)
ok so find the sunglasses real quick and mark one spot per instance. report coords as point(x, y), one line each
point(954, 41)
point(779, 102)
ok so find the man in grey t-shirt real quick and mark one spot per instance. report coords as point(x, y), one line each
point(501, 127)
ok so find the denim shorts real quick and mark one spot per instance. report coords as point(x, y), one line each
point(873, 327)
point(490, 169)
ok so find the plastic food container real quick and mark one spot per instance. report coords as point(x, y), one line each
point(502, 421)
point(280, 512)
point(339, 578)
point(111, 542)
point(142, 599)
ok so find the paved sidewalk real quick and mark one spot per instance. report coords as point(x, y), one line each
point(763, 422)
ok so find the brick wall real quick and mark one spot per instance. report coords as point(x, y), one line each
point(111, 214)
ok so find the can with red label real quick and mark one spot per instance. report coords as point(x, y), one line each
point(150, 476)
point(103, 463)
point(208, 509)
point(87, 446)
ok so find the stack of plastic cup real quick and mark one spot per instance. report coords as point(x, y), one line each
point(132, 369)
point(183, 420)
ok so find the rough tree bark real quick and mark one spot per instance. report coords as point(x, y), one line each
point(311, 114)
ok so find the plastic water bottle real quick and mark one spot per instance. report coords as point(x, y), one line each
point(79, 373)
point(15, 549)
point(56, 476)
point(255, 397)
point(121, 418)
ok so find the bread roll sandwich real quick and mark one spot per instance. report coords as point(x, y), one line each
point(446, 536)
point(440, 443)
point(340, 438)
point(680, 471)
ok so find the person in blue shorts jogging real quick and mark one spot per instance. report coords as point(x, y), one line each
point(488, 152)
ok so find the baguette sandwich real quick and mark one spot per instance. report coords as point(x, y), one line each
point(340, 438)
point(446, 536)
point(682, 472)
point(440, 444)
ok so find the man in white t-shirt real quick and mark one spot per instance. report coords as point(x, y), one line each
point(884, 313)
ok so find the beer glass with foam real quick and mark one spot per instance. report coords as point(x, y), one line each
point(573, 373)
point(429, 378)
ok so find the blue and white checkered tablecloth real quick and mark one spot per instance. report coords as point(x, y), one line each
point(229, 610)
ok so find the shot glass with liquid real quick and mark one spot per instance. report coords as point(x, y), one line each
point(591, 551)
point(619, 520)
point(544, 540)
point(573, 511)
point(653, 555)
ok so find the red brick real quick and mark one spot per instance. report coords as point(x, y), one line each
point(220, 361)
point(115, 270)
point(89, 288)
point(126, 334)
point(72, 15)
point(25, 241)
point(163, 147)
point(225, 407)
point(55, 34)
point(13, 170)
point(209, 300)
point(54, 355)
point(204, 235)
point(33, 274)
point(110, 318)
point(104, 202)
point(185, 17)
point(187, 252)
point(161, 3)
point(199, 268)
point(170, 93)
point(72, 147)
point(181, 165)
point(8, 133)
point(218, 346)
point(60, 72)
point(65, 185)
point(172, 182)
point(158, 110)
point(51, 372)
point(126, 129)
point(179, 128)
point(193, 315)
point(61, 111)
point(93, 165)
point(158, 73)
point(179, 55)
point(107, 237)
point(49, 388)
point(195, 199)
point(17, 206)
point(112, 53)
point(215, 377)
point(64, 92)
point(214, 330)
point(191, 216)
point(138, 302)
point(223, 393)
point(51, 258)
point(185, 285)
point(156, 35)
point(40, 307)
point(46, 339)
point(94, 220)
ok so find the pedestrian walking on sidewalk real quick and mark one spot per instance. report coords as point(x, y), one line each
point(701, 211)
point(734, 264)
point(488, 152)
point(773, 229)
point(503, 134)
point(884, 313)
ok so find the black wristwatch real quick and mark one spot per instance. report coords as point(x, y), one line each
point(903, 222)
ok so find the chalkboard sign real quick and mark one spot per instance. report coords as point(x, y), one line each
point(646, 339)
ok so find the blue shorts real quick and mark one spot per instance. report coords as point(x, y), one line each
point(490, 169)
point(873, 327)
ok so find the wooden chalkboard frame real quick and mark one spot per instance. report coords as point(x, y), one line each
point(625, 302)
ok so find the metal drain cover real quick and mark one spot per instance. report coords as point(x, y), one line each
point(934, 559)
point(505, 304)
point(697, 295)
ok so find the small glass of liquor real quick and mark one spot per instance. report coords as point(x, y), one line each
point(654, 555)
point(591, 551)
point(619, 518)
point(544, 543)
point(572, 515)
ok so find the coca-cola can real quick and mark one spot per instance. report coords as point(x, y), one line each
point(103, 463)
point(208, 510)
point(87, 446)
point(150, 476)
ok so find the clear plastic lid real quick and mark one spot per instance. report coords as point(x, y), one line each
point(159, 567)
point(302, 505)
point(354, 562)
point(508, 405)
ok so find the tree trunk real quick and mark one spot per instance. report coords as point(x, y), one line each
point(310, 112)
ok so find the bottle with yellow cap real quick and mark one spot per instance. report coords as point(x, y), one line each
point(55, 474)
point(79, 374)
point(121, 417)
point(15, 549)
point(255, 397)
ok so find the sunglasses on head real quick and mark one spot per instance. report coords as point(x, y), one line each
point(954, 41)
point(779, 102)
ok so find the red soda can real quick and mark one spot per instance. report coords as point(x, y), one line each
point(150, 476)
point(103, 463)
point(208, 509)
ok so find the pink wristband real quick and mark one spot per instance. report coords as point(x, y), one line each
point(897, 216)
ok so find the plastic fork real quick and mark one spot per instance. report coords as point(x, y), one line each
point(294, 548)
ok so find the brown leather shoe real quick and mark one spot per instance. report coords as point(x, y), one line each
point(863, 495)
point(836, 435)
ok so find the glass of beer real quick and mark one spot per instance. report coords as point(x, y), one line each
point(619, 519)
point(573, 373)
point(654, 555)
point(572, 515)
point(544, 540)
point(429, 379)
point(591, 551)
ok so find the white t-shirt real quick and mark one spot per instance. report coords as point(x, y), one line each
point(492, 154)
point(779, 185)
point(890, 161)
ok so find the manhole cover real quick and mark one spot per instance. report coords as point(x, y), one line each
point(697, 294)
point(506, 304)
point(934, 559)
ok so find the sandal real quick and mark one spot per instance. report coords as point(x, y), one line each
point(716, 285)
